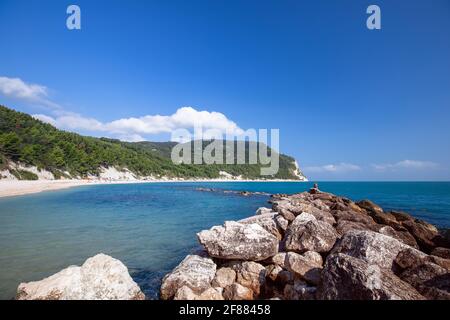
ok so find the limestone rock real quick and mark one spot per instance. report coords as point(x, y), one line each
point(224, 277)
point(279, 275)
point(369, 206)
point(430, 280)
point(355, 217)
point(344, 226)
point(99, 278)
point(251, 275)
point(306, 233)
point(307, 266)
point(372, 247)
point(263, 210)
point(441, 252)
point(239, 241)
point(423, 233)
point(194, 272)
point(237, 292)
point(403, 236)
point(282, 223)
point(186, 293)
point(348, 278)
point(265, 220)
point(401, 216)
point(286, 214)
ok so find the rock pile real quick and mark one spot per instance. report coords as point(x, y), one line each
point(316, 245)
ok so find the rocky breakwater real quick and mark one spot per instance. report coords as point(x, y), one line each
point(316, 245)
point(99, 278)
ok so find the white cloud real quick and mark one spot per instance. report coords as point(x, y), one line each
point(333, 168)
point(18, 89)
point(186, 117)
point(130, 129)
point(134, 128)
point(405, 164)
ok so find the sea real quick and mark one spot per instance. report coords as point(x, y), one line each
point(151, 227)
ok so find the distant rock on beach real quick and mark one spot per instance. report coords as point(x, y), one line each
point(316, 245)
point(99, 278)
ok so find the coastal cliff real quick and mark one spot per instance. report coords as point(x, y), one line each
point(316, 245)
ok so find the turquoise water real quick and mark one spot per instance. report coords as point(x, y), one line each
point(151, 227)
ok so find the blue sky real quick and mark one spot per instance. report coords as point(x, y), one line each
point(350, 103)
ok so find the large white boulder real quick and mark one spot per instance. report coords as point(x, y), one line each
point(239, 241)
point(99, 278)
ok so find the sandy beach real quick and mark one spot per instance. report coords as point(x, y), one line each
point(10, 188)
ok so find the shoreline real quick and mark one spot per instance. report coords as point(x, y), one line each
point(14, 188)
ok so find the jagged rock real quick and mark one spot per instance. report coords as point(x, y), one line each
point(374, 248)
point(314, 257)
point(355, 217)
point(307, 234)
point(211, 294)
point(186, 293)
point(444, 263)
point(319, 204)
point(194, 272)
point(369, 206)
point(278, 274)
point(410, 258)
point(273, 271)
point(286, 214)
point(401, 216)
point(427, 225)
point(224, 277)
point(307, 266)
point(324, 196)
point(441, 252)
point(407, 258)
point(424, 234)
point(263, 210)
point(237, 292)
point(99, 278)
point(429, 279)
point(251, 275)
point(349, 278)
point(267, 221)
point(381, 217)
point(403, 236)
point(344, 226)
point(322, 215)
point(239, 241)
point(282, 223)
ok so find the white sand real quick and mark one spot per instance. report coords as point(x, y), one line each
point(10, 188)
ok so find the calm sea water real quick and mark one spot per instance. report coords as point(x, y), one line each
point(151, 227)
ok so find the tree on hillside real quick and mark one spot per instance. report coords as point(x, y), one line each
point(10, 144)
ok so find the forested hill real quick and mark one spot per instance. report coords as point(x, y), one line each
point(32, 142)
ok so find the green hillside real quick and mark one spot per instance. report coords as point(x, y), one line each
point(32, 142)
